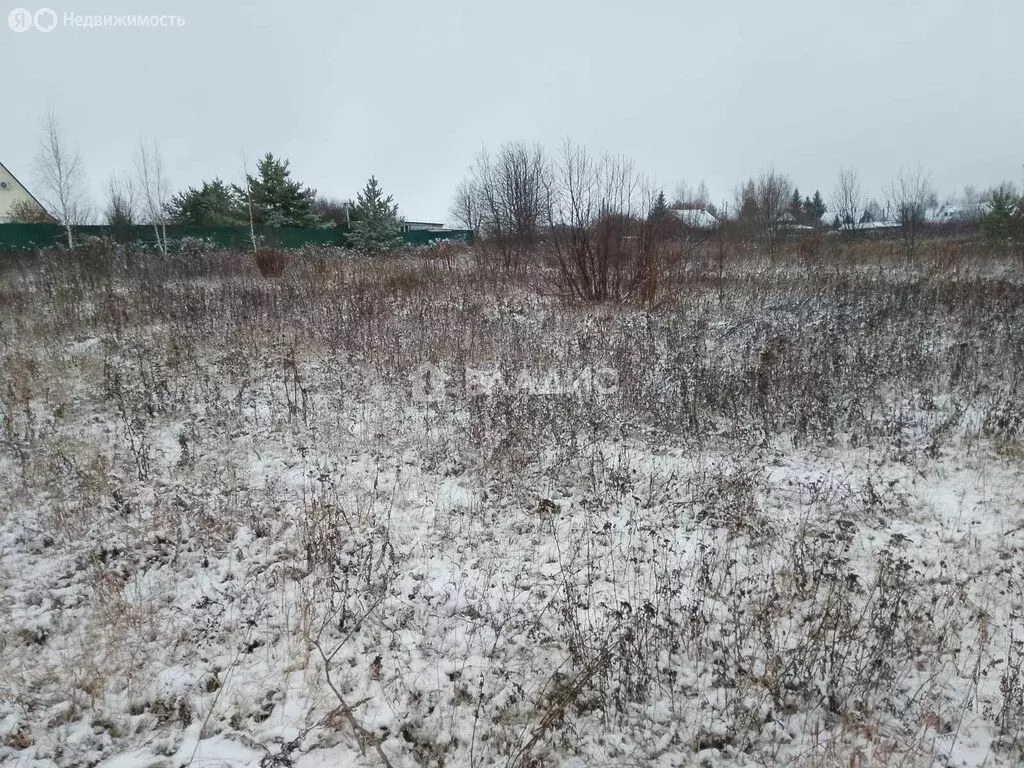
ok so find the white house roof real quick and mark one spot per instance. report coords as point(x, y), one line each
point(698, 218)
point(957, 212)
point(877, 225)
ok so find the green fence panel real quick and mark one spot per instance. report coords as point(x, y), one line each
point(32, 236)
point(427, 237)
point(20, 236)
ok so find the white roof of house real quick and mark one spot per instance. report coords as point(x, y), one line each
point(877, 225)
point(957, 212)
point(695, 217)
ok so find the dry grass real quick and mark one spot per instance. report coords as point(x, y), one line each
point(730, 556)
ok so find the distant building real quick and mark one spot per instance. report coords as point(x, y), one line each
point(696, 218)
point(957, 212)
point(421, 226)
point(963, 212)
point(15, 198)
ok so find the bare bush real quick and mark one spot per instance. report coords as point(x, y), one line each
point(28, 212)
point(270, 261)
point(909, 196)
point(338, 212)
point(120, 210)
point(601, 232)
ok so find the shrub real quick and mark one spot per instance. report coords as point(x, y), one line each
point(270, 262)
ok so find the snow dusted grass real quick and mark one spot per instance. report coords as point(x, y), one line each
point(230, 534)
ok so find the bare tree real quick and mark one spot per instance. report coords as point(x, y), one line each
point(601, 231)
point(335, 211)
point(684, 196)
point(847, 201)
point(763, 207)
point(155, 191)
point(509, 189)
point(62, 180)
point(465, 208)
point(119, 210)
point(972, 196)
point(909, 197)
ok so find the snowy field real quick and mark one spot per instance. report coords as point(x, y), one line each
point(416, 513)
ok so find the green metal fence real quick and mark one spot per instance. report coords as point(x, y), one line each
point(31, 236)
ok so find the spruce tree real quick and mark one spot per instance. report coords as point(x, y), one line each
point(277, 199)
point(818, 207)
point(814, 208)
point(215, 204)
point(376, 227)
point(996, 223)
point(796, 207)
point(659, 209)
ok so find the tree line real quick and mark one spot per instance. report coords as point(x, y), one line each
point(268, 198)
point(511, 196)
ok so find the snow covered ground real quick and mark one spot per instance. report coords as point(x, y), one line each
point(238, 528)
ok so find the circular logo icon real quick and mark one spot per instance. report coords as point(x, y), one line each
point(45, 19)
point(20, 20)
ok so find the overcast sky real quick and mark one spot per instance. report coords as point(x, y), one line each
point(410, 91)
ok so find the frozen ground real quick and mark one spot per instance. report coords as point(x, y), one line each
point(789, 529)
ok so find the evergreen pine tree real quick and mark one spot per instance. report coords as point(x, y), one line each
point(376, 227)
point(215, 204)
point(818, 207)
point(277, 199)
point(748, 208)
point(997, 222)
point(796, 207)
point(814, 208)
point(659, 209)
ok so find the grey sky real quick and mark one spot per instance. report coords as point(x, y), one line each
point(410, 91)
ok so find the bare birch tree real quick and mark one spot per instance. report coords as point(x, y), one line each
point(248, 203)
point(61, 178)
point(154, 189)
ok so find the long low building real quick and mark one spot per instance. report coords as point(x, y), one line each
point(421, 226)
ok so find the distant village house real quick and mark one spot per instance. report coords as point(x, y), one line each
point(16, 202)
